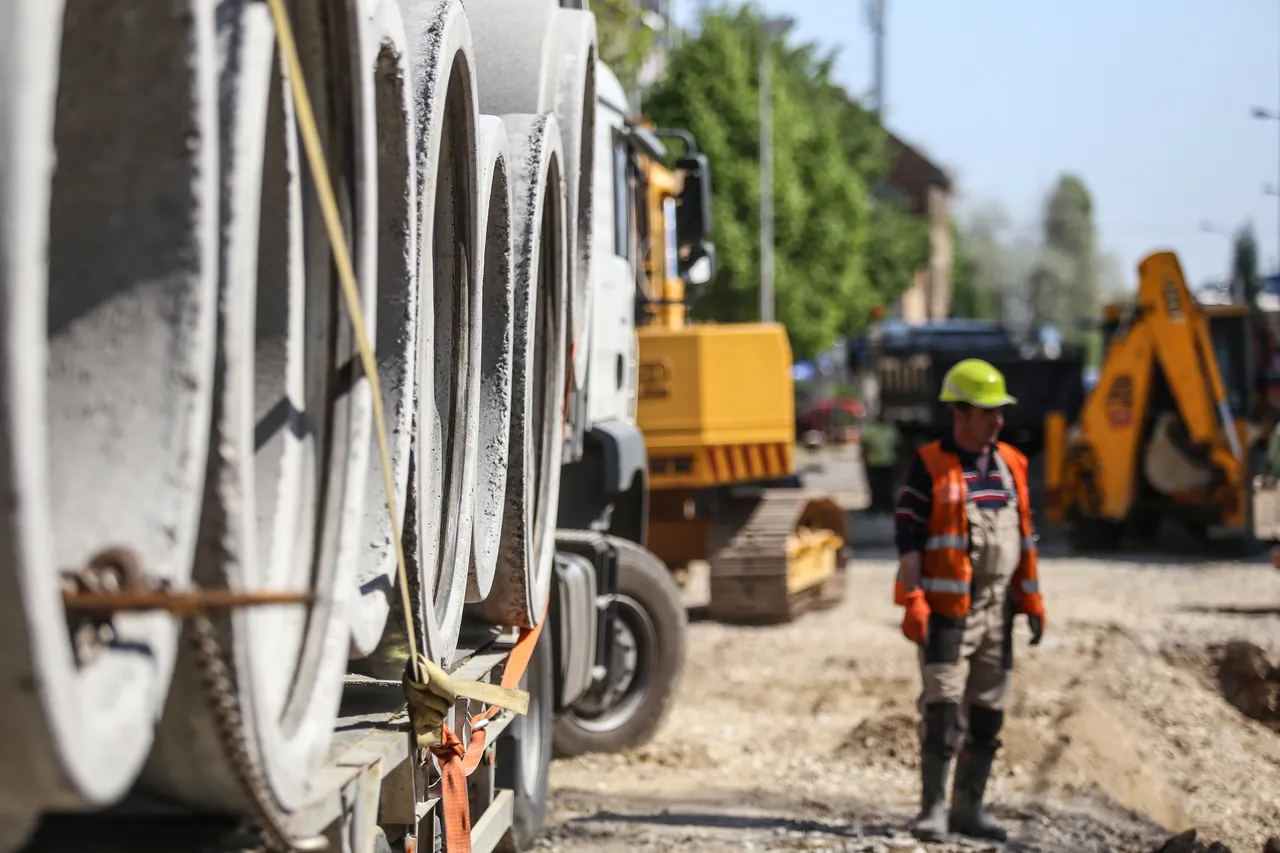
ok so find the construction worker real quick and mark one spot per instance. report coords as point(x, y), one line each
point(880, 440)
point(967, 564)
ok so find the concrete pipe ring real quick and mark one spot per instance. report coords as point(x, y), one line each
point(387, 83)
point(446, 452)
point(523, 579)
point(493, 268)
point(574, 45)
point(546, 62)
point(108, 260)
point(292, 427)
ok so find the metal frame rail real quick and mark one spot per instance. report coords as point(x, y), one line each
point(367, 782)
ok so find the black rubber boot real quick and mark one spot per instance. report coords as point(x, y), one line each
point(967, 816)
point(931, 825)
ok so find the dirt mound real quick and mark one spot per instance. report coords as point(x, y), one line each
point(1091, 744)
point(1250, 682)
point(886, 737)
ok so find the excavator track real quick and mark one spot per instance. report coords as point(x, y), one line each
point(775, 555)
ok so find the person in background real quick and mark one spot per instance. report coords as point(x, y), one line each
point(967, 563)
point(880, 440)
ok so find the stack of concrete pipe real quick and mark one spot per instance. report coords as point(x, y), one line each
point(179, 375)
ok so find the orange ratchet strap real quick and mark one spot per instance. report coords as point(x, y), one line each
point(457, 762)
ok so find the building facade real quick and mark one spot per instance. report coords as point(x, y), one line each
point(926, 189)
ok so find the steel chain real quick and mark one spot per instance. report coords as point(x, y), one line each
point(224, 704)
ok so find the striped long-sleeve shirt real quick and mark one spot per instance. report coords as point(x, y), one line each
point(911, 520)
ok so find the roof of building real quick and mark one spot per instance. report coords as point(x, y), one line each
point(910, 160)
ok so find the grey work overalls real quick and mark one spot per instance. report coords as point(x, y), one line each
point(980, 646)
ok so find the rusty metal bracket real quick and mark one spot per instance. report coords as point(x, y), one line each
point(113, 582)
point(183, 603)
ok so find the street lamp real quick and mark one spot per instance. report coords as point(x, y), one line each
point(1227, 287)
point(772, 28)
point(1268, 115)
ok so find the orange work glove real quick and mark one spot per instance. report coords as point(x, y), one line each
point(915, 619)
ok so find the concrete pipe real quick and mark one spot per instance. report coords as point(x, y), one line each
point(292, 428)
point(387, 82)
point(446, 453)
point(548, 64)
point(107, 308)
point(493, 268)
point(523, 579)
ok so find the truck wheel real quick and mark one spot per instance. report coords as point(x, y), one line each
point(626, 708)
point(524, 753)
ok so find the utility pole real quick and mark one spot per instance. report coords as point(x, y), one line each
point(875, 21)
point(772, 28)
point(766, 183)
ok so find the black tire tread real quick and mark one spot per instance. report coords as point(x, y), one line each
point(644, 577)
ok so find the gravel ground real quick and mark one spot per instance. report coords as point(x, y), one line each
point(801, 737)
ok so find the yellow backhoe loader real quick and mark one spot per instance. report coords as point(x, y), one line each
point(716, 406)
point(1167, 432)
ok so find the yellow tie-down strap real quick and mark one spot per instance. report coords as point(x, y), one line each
point(430, 703)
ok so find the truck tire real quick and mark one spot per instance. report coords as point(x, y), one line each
point(651, 628)
point(524, 752)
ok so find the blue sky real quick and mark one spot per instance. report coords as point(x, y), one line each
point(1148, 100)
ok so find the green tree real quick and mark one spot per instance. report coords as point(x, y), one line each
point(968, 298)
point(992, 265)
point(897, 247)
point(624, 39)
point(837, 254)
point(1064, 287)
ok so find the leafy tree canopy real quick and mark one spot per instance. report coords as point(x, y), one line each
point(624, 41)
point(838, 251)
point(1064, 286)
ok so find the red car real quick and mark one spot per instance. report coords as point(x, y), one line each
point(835, 417)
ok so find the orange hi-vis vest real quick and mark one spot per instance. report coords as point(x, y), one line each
point(946, 572)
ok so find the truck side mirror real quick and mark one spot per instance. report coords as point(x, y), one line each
point(693, 216)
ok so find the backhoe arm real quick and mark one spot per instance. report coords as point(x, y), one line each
point(1180, 331)
point(1165, 326)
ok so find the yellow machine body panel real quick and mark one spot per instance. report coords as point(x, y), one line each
point(716, 404)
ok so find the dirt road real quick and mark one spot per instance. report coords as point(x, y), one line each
point(801, 737)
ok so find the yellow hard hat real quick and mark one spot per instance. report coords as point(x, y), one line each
point(977, 383)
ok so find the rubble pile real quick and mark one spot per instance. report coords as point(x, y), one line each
point(1188, 842)
point(1250, 682)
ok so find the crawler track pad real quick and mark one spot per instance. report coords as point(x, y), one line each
point(775, 555)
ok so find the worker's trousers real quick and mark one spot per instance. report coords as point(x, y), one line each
point(965, 662)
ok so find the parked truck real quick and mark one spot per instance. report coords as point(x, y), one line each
point(907, 362)
point(325, 500)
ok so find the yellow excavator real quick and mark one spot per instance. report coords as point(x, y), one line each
point(1168, 431)
point(716, 406)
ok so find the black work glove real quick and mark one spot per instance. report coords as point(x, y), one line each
point(1037, 629)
